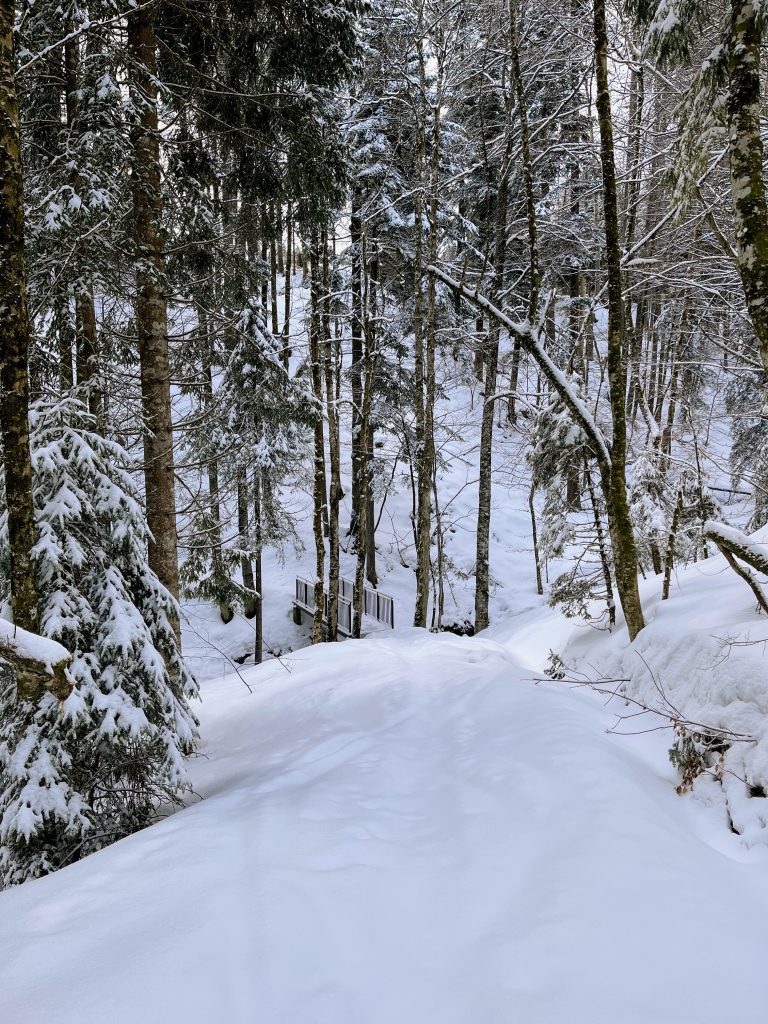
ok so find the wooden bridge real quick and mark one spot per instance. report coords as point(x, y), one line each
point(377, 606)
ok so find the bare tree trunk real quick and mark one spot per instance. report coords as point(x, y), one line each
point(482, 550)
point(534, 273)
point(365, 522)
point(750, 207)
point(151, 306)
point(604, 562)
point(620, 524)
point(355, 231)
point(273, 284)
point(334, 449)
point(14, 349)
point(535, 538)
point(670, 558)
point(320, 500)
point(258, 645)
point(287, 288)
point(85, 312)
point(372, 279)
point(217, 559)
point(424, 445)
point(279, 230)
point(530, 202)
point(246, 566)
point(438, 600)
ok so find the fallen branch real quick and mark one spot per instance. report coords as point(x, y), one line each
point(734, 544)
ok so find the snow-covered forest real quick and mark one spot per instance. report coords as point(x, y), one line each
point(384, 511)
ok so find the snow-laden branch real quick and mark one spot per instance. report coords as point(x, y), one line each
point(86, 26)
point(654, 429)
point(734, 544)
point(528, 337)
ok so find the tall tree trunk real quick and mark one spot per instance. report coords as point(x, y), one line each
point(85, 312)
point(334, 450)
point(217, 557)
point(750, 207)
point(530, 201)
point(534, 273)
point(424, 337)
point(258, 645)
point(319, 493)
point(482, 549)
point(365, 521)
point(246, 565)
point(371, 346)
point(151, 305)
point(355, 372)
point(279, 230)
point(287, 288)
point(14, 345)
point(535, 539)
point(620, 524)
point(273, 284)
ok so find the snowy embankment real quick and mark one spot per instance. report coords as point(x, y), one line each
point(404, 830)
point(703, 656)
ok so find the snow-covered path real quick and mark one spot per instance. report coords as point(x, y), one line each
point(403, 831)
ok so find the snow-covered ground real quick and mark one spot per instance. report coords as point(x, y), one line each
point(404, 830)
point(418, 828)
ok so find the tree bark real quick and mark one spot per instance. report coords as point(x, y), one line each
point(286, 353)
point(151, 305)
point(246, 565)
point(334, 450)
point(750, 207)
point(14, 341)
point(485, 482)
point(620, 524)
point(86, 342)
point(217, 557)
point(319, 492)
point(365, 521)
point(423, 524)
point(372, 279)
point(258, 645)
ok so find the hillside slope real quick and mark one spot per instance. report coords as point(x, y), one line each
point(404, 830)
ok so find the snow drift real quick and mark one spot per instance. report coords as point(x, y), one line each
point(405, 830)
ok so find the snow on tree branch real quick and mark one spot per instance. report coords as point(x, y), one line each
point(528, 338)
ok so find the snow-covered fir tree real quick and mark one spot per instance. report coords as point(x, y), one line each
point(76, 776)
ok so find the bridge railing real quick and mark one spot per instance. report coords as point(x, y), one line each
point(378, 606)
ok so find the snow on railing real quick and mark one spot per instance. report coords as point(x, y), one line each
point(378, 606)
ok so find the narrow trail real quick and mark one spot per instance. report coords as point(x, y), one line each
point(403, 831)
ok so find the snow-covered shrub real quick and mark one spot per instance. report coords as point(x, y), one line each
point(79, 774)
point(573, 514)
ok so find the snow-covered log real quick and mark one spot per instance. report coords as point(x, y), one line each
point(37, 664)
point(734, 544)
